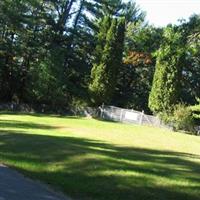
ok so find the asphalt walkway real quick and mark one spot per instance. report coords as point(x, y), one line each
point(14, 186)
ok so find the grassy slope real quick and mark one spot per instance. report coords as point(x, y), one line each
point(91, 159)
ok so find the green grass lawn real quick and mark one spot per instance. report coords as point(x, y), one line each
point(91, 159)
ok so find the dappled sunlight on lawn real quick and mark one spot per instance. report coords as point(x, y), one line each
point(92, 166)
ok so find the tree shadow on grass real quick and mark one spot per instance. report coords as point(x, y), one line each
point(35, 114)
point(89, 169)
point(23, 125)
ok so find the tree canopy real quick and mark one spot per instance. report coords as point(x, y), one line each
point(63, 52)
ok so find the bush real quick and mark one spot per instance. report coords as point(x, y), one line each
point(196, 113)
point(77, 106)
point(180, 117)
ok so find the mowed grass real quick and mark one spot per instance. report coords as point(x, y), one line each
point(91, 159)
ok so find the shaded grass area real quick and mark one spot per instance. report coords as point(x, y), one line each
point(86, 165)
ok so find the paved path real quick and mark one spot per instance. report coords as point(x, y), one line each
point(14, 186)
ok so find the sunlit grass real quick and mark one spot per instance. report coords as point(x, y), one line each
point(91, 159)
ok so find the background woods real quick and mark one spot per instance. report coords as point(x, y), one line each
point(68, 52)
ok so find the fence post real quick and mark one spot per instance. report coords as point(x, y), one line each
point(111, 115)
point(141, 118)
point(121, 115)
point(159, 121)
point(102, 111)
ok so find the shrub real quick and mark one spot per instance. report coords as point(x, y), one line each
point(180, 117)
point(196, 112)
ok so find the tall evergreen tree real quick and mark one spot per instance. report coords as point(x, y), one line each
point(104, 73)
point(166, 83)
point(104, 26)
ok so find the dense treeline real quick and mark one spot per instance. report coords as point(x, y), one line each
point(68, 52)
point(48, 47)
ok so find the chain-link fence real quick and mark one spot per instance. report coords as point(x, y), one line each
point(128, 116)
point(117, 114)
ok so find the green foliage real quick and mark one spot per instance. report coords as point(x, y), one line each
point(191, 76)
point(104, 73)
point(195, 109)
point(179, 116)
point(136, 74)
point(182, 118)
point(52, 51)
point(47, 48)
point(104, 26)
point(166, 83)
point(46, 86)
